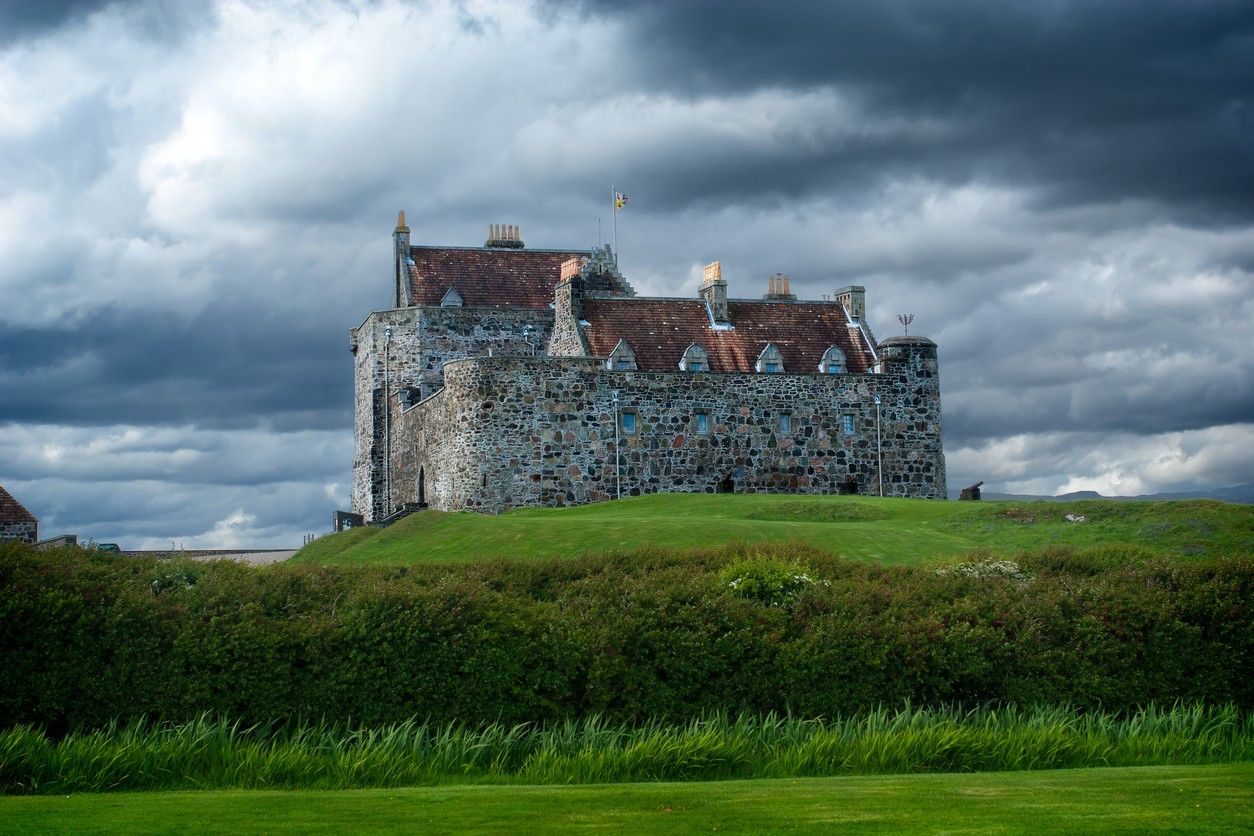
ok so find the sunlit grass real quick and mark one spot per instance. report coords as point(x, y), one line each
point(904, 531)
point(215, 754)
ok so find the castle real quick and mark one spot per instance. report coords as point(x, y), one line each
point(507, 377)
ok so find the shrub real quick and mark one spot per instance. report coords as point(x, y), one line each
point(771, 582)
point(86, 640)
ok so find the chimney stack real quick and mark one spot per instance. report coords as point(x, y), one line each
point(571, 267)
point(400, 261)
point(853, 299)
point(714, 292)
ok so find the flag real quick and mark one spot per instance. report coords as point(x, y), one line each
point(620, 200)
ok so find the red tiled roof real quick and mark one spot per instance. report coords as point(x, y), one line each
point(11, 510)
point(660, 330)
point(486, 277)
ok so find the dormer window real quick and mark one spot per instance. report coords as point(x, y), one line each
point(833, 362)
point(622, 358)
point(695, 359)
point(770, 361)
point(452, 299)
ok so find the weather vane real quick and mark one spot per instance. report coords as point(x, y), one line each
point(905, 319)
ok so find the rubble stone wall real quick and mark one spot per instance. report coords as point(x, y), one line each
point(424, 338)
point(25, 531)
point(510, 432)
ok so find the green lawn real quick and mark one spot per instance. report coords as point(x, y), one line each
point(866, 528)
point(1212, 799)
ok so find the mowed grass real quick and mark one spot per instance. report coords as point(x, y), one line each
point(1213, 799)
point(890, 531)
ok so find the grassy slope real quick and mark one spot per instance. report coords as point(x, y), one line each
point(1132, 800)
point(869, 528)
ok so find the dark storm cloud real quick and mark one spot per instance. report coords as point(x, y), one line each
point(24, 19)
point(228, 366)
point(1085, 101)
point(165, 19)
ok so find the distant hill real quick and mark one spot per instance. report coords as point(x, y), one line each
point(1242, 494)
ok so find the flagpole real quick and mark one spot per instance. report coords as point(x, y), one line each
point(614, 203)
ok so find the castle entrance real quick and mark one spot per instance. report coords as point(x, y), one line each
point(728, 485)
point(422, 487)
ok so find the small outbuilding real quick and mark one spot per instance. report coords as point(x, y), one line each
point(16, 523)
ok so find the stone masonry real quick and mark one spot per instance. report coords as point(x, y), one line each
point(512, 432)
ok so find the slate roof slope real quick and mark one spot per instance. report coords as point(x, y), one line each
point(660, 330)
point(486, 277)
point(12, 511)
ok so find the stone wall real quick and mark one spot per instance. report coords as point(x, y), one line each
point(423, 339)
point(26, 531)
point(510, 432)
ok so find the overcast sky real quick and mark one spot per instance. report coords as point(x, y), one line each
point(197, 199)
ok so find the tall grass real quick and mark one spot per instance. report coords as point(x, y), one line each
point(214, 753)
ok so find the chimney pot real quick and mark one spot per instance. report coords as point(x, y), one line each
point(713, 272)
point(787, 290)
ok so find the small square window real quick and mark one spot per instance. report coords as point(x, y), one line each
point(772, 368)
point(623, 365)
point(847, 422)
point(785, 423)
point(834, 368)
point(629, 423)
point(695, 367)
point(703, 422)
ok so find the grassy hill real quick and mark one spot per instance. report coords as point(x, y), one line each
point(866, 528)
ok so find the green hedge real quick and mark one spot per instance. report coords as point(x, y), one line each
point(87, 639)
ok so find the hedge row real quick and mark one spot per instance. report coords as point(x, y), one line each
point(86, 639)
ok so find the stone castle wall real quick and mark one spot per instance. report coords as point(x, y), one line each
point(24, 531)
point(509, 432)
point(424, 338)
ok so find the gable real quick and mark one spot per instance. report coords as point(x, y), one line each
point(12, 511)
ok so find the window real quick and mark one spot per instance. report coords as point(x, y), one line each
point(785, 423)
point(770, 361)
point(628, 421)
point(694, 359)
point(622, 358)
point(703, 422)
point(833, 361)
point(847, 424)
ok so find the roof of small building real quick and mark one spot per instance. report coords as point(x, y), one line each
point(11, 510)
point(486, 277)
point(659, 331)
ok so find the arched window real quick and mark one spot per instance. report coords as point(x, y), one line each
point(622, 358)
point(695, 359)
point(770, 361)
point(833, 362)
